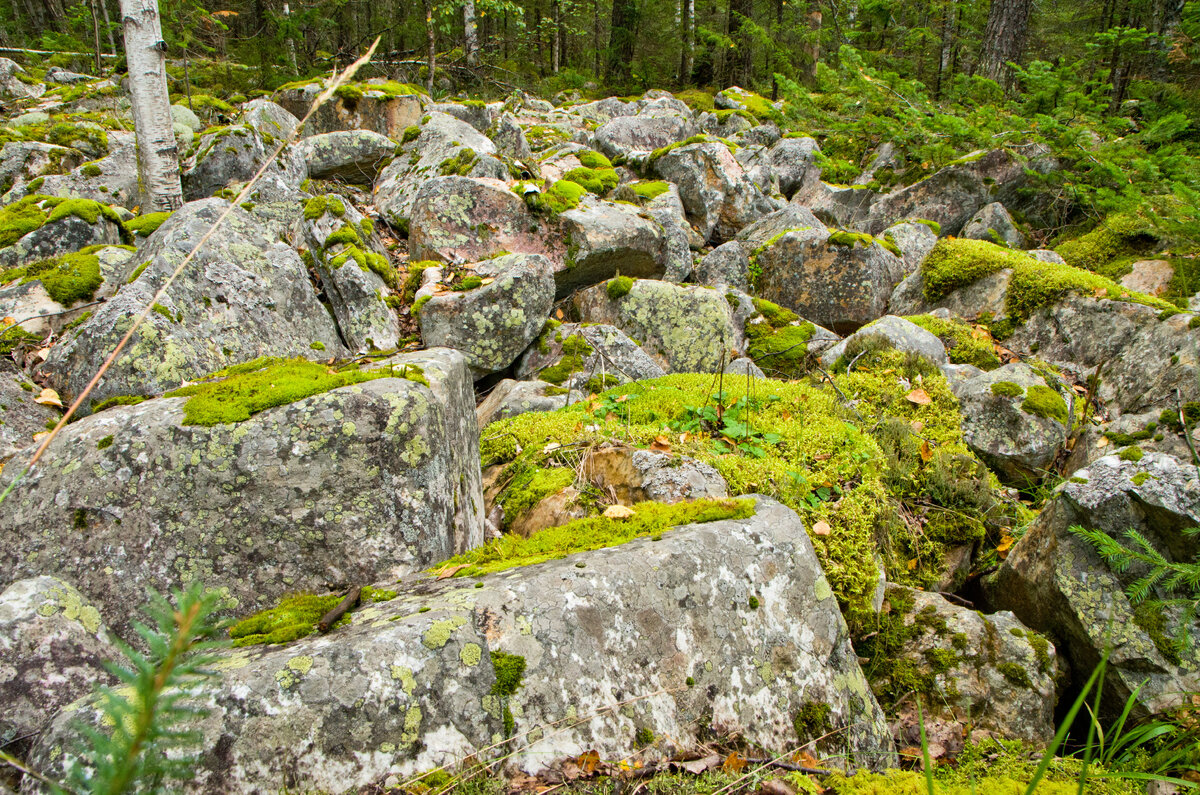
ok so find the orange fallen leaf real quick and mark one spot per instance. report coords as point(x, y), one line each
point(450, 571)
point(822, 528)
point(734, 763)
point(49, 397)
point(912, 564)
point(926, 451)
point(618, 512)
point(920, 397)
point(559, 314)
point(588, 761)
point(661, 444)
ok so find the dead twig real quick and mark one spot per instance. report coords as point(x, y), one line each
point(333, 616)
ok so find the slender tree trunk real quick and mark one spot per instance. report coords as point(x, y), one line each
point(621, 40)
point(431, 37)
point(95, 31)
point(1004, 38)
point(556, 8)
point(812, 43)
point(470, 33)
point(112, 42)
point(687, 10)
point(291, 42)
point(596, 38)
point(158, 160)
point(949, 23)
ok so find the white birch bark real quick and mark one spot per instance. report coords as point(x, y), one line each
point(158, 159)
point(470, 33)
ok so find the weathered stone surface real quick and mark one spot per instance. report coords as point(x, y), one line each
point(443, 140)
point(1150, 276)
point(508, 136)
point(838, 286)
point(743, 367)
point(117, 182)
point(354, 156)
point(794, 161)
point(53, 647)
point(477, 114)
point(989, 671)
point(355, 291)
point(838, 206)
point(492, 324)
point(243, 296)
point(269, 119)
point(20, 416)
point(625, 135)
point(726, 264)
point(461, 218)
point(634, 476)
point(1017, 444)
point(982, 295)
point(12, 87)
point(793, 218)
point(360, 484)
point(21, 162)
point(604, 238)
point(994, 224)
point(56, 74)
point(401, 691)
point(914, 240)
point(1056, 583)
point(64, 236)
point(37, 312)
point(684, 329)
point(235, 154)
point(614, 358)
point(375, 110)
point(510, 398)
point(904, 335)
point(718, 196)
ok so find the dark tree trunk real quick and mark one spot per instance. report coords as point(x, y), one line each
point(1004, 38)
point(812, 44)
point(621, 41)
point(741, 59)
point(949, 24)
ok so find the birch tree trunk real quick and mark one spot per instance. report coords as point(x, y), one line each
point(291, 42)
point(685, 35)
point(158, 160)
point(112, 43)
point(431, 36)
point(470, 33)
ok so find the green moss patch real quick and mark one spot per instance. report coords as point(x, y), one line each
point(594, 180)
point(530, 486)
point(1008, 389)
point(582, 535)
point(68, 279)
point(619, 287)
point(963, 345)
point(296, 617)
point(562, 196)
point(459, 164)
point(574, 350)
point(146, 225)
point(1111, 247)
point(648, 190)
point(1042, 401)
point(776, 345)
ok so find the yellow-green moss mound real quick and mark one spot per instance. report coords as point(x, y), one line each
point(296, 616)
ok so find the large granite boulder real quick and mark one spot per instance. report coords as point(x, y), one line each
point(112, 179)
point(269, 119)
point(461, 218)
point(13, 87)
point(727, 265)
point(359, 484)
point(901, 334)
point(1055, 582)
point(586, 357)
point(643, 133)
point(65, 227)
point(493, 322)
point(235, 154)
point(650, 640)
point(994, 223)
point(604, 238)
point(794, 161)
point(53, 649)
point(21, 162)
point(242, 297)
point(354, 156)
point(684, 329)
point(21, 416)
point(385, 108)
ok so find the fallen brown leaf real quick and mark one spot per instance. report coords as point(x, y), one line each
point(49, 397)
point(618, 512)
point(734, 763)
point(703, 765)
point(926, 451)
point(450, 571)
point(920, 397)
point(775, 786)
point(822, 528)
point(661, 444)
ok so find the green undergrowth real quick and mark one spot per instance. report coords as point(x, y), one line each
point(963, 346)
point(531, 485)
point(799, 443)
point(296, 616)
point(955, 263)
point(779, 343)
point(237, 393)
point(648, 190)
point(31, 213)
point(596, 532)
point(146, 225)
point(67, 279)
point(1112, 246)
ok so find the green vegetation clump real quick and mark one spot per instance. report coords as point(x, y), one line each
point(697, 99)
point(1110, 247)
point(460, 164)
point(296, 617)
point(574, 350)
point(955, 263)
point(1008, 389)
point(91, 170)
point(596, 532)
point(777, 346)
point(963, 346)
point(1042, 401)
point(563, 195)
point(239, 392)
point(695, 139)
point(541, 137)
point(594, 180)
point(590, 158)
point(22, 217)
point(619, 287)
point(146, 225)
point(411, 134)
point(87, 209)
point(68, 279)
point(117, 400)
point(648, 190)
point(529, 487)
point(1133, 453)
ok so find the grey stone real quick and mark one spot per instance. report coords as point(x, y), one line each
point(836, 205)
point(21, 162)
point(510, 140)
point(614, 357)
point(376, 110)
point(56, 74)
point(634, 476)
point(605, 238)
point(727, 264)
point(235, 154)
point(492, 324)
point(354, 156)
point(242, 297)
point(914, 240)
point(181, 114)
point(116, 184)
point(1056, 583)
point(13, 87)
point(794, 160)
point(510, 398)
point(20, 416)
point(970, 301)
point(1045, 255)
point(794, 218)
point(625, 135)
point(627, 628)
point(904, 335)
point(359, 484)
point(744, 366)
point(994, 224)
point(269, 119)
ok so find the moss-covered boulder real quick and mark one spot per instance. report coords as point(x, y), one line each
point(354, 156)
point(229, 155)
point(586, 358)
point(111, 179)
point(901, 334)
point(643, 133)
point(21, 162)
point(493, 321)
point(54, 647)
point(684, 329)
point(1055, 582)
point(41, 294)
point(1015, 421)
point(382, 106)
point(40, 227)
point(437, 146)
point(13, 87)
point(914, 239)
point(595, 652)
point(987, 673)
point(461, 218)
point(257, 483)
point(993, 223)
point(841, 280)
point(269, 118)
point(243, 296)
point(356, 272)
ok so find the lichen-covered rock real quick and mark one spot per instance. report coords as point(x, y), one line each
point(13, 87)
point(604, 239)
point(794, 162)
point(915, 241)
point(719, 197)
point(1014, 421)
point(1055, 582)
point(242, 297)
point(444, 147)
point(360, 484)
point(20, 416)
point(354, 156)
point(492, 323)
point(901, 334)
point(53, 649)
point(508, 136)
point(357, 106)
point(79, 280)
point(955, 193)
point(478, 114)
point(64, 234)
point(634, 476)
point(112, 179)
point(684, 329)
point(727, 264)
point(837, 205)
point(269, 119)
point(643, 133)
point(609, 640)
point(1149, 276)
point(993, 223)
point(988, 671)
point(465, 219)
point(841, 282)
point(352, 265)
point(235, 154)
point(793, 218)
point(21, 162)
point(586, 357)
point(510, 398)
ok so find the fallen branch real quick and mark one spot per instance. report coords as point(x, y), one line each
point(333, 616)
